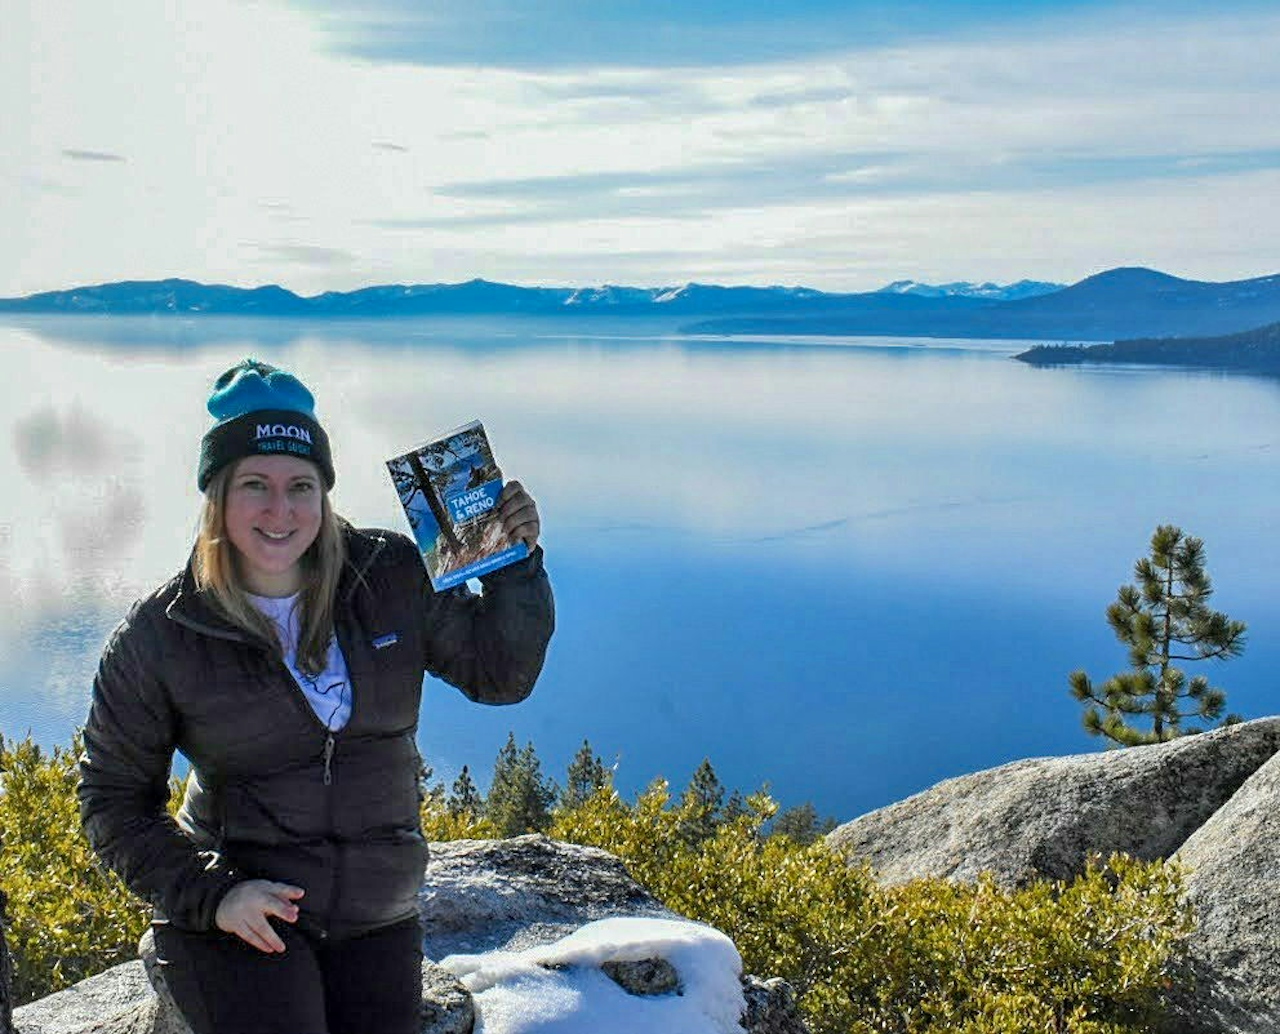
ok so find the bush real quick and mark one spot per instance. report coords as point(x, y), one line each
point(69, 917)
point(1091, 956)
point(439, 822)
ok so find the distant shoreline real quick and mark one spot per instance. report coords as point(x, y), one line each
point(1251, 351)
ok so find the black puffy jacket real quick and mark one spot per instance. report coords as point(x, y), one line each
point(274, 794)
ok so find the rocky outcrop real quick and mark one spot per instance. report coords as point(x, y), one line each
point(644, 976)
point(525, 892)
point(479, 896)
point(1233, 861)
point(1212, 801)
point(1043, 817)
point(771, 1007)
point(446, 1004)
point(507, 895)
point(119, 1001)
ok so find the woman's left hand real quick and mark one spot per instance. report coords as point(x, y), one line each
point(519, 514)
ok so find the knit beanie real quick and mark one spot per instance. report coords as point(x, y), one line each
point(262, 411)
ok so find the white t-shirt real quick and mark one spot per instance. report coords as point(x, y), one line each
point(328, 693)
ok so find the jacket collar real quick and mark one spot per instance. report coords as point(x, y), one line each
point(192, 608)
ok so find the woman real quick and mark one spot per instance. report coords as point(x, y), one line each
point(285, 662)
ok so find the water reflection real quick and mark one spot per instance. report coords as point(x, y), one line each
point(788, 556)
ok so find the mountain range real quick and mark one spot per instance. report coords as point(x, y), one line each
point(474, 297)
point(1118, 303)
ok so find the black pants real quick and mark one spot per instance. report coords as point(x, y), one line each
point(371, 984)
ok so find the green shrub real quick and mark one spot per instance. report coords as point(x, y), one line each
point(439, 822)
point(69, 918)
point(1091, 956)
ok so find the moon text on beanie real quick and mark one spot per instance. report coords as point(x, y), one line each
point(283, 431)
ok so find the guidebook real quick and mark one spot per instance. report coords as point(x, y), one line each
point(449, 488)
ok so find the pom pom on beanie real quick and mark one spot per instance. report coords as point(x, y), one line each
point(262, 411)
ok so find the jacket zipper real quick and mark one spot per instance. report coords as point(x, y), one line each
point(330, 741)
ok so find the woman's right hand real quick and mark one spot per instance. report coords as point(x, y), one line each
point(244, 912)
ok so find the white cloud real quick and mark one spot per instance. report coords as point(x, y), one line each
point(255, 154)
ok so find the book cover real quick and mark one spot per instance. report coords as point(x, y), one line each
point(449, 489)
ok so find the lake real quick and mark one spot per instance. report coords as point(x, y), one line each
point(846, 568)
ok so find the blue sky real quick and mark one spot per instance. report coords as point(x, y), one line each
point(562, 34)
point(840, 145)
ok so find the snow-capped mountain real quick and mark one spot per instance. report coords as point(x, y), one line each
point(609, 295)
point(967, 289)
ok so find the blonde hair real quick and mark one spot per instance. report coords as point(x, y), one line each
point(217, 574)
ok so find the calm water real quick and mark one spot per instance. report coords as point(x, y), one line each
point(845, 568)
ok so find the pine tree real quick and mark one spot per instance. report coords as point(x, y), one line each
point(520, 796)
point(428, 790)
point(735, 807)
point(701, 805)
point(802, 824)
point(586, 774)
point(464, 797)
point(1163, 619)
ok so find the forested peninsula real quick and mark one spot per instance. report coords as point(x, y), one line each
point(1254, 351)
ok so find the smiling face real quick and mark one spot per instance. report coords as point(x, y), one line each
point(272, 513)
